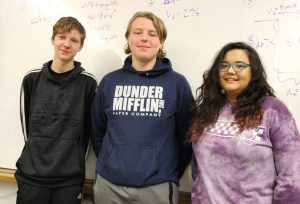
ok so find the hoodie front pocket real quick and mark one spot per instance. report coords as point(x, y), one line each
point(50, 158)
point(131, 165)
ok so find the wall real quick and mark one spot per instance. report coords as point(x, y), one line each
point(8, 193)
point(197, 29)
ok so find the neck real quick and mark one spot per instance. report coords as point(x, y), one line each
point(231, 99)
point(59, 66)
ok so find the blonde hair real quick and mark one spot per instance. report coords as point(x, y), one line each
point(158, 24)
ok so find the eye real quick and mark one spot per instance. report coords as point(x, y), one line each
point(75, 40)
point(153, 34)
point(240, 65)
point(223, 65)
point(137, 32)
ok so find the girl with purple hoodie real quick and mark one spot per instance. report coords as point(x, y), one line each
point(245, 141)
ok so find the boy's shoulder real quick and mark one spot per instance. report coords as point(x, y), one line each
point(88, 76)
point(32, 74)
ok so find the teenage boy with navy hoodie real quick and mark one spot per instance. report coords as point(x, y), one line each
point(55, 113)
point(140, 115)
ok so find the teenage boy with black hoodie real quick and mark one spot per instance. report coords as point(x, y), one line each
point(55, 114)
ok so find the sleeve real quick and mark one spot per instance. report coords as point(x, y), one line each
point(87, 126)
point(25, 93)
point(195, 168)
point(99, 120)
point(183, 117)
point(286, 149)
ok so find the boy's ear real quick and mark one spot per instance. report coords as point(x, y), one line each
point(162, 44)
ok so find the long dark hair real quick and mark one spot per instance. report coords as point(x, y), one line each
point(248, 110)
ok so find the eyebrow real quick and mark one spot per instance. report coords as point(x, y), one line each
point(144, 29)
point(223, 61)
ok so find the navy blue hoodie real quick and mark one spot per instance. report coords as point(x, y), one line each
point(139, 123)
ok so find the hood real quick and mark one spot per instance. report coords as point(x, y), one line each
point(77, 70)
point(161, 66)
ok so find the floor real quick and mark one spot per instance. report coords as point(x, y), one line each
point(86, 202)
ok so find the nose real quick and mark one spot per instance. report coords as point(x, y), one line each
point(67, 43)
point(231, 65)
point(231, 69)
point(144, 37)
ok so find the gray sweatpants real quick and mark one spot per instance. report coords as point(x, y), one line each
point(105, 192)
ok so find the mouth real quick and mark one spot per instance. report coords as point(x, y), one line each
point(143, 46)
point(65, 51)
point(231, 79)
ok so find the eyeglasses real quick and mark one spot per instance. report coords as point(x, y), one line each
point(237, 66)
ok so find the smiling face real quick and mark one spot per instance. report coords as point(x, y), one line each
point(66, 45)
point(144, 41)
point(232, 82)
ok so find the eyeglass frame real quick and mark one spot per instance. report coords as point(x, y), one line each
point(233, 65)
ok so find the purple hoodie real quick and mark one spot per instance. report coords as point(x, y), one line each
point(259, 165)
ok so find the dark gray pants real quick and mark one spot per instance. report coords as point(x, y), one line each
point(29, 194)
point(105, 192)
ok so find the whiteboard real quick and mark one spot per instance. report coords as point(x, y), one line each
point(197, 29)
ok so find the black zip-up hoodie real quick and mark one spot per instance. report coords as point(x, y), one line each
point(55, 116)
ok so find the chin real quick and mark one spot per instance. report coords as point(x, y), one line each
point(144, 58)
